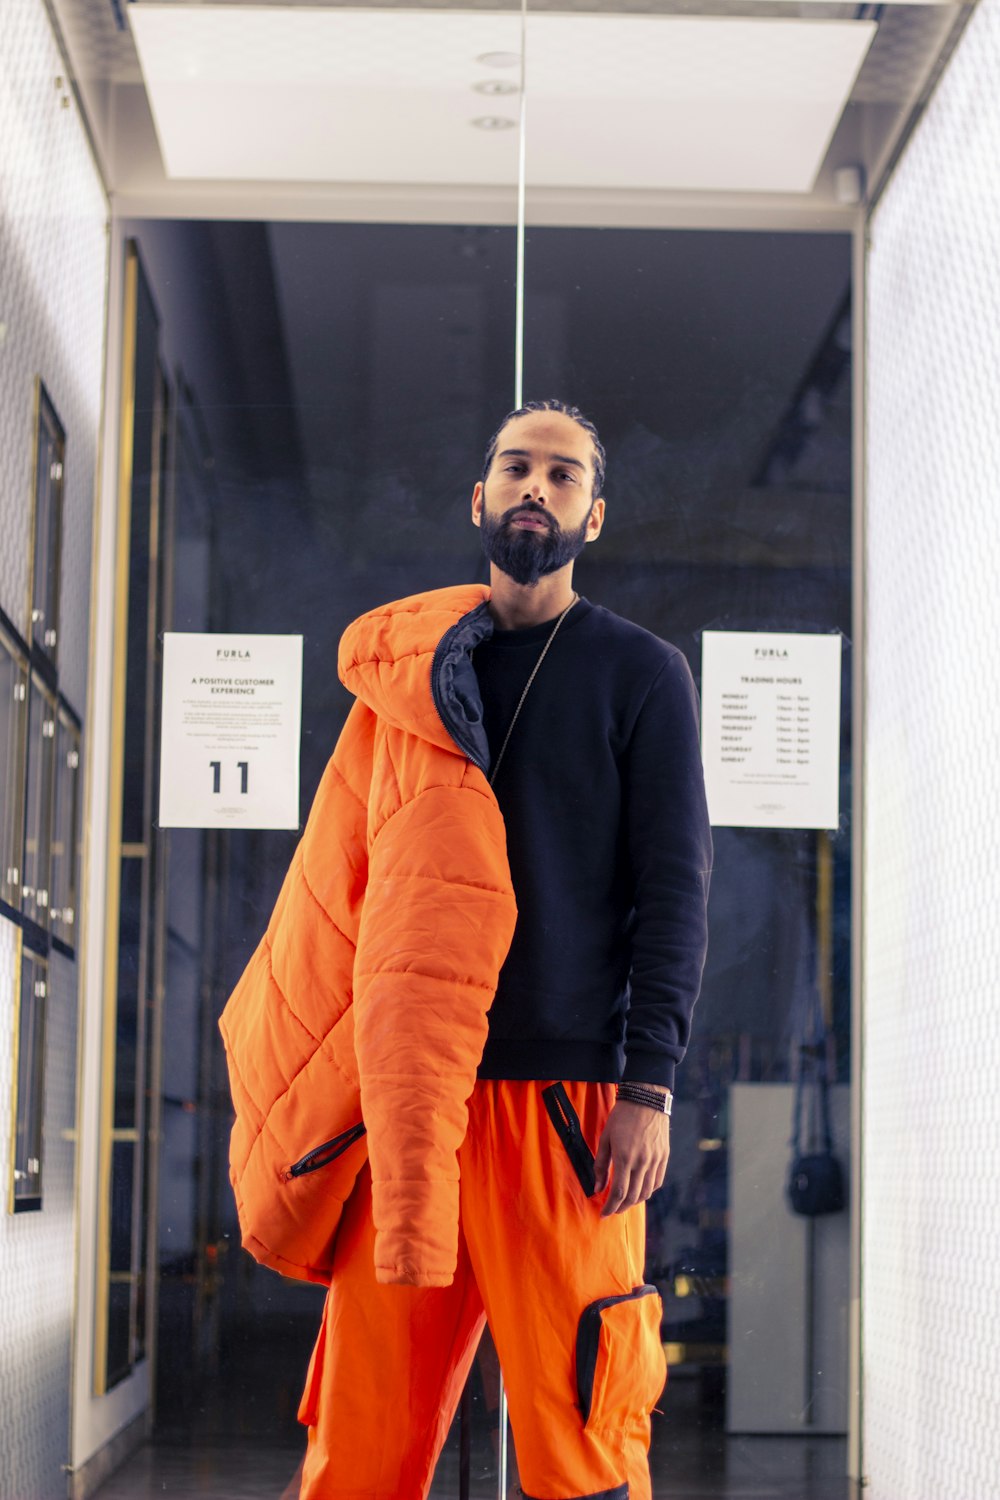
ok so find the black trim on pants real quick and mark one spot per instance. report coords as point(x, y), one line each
point(621, 1493)
point(588, 1340)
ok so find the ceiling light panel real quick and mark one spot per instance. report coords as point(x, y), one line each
point(315, 95)
point(696, 103)
point(307, 94)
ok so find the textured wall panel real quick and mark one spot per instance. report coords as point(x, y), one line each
point(931, 1266)
point(36, 1257)
point(53, 250)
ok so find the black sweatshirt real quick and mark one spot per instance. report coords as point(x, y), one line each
point(603, 798)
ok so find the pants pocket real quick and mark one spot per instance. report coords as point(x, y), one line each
point(567, 1125)
point(620, 1365)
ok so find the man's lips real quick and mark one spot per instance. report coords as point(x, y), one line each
point(529, 521)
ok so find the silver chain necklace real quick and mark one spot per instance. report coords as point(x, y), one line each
point(544, 651)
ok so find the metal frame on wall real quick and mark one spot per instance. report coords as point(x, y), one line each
point(43, 607)
point(136, 867)
point(31, 846)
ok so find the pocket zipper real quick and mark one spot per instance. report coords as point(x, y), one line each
point(566, 1121)
point(322, 1156)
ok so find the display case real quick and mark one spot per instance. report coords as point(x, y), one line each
point(25, 1192)
point(64, 873)
point(13, 746)
point(46, 533)
point(35, 887)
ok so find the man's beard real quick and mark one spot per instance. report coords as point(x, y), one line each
point(527, 555)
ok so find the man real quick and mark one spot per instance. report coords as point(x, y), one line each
point(515, 1085)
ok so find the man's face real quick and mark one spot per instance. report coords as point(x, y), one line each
point(537, 509)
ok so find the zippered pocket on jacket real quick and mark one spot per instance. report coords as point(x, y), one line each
point(620, 1366)
point(322, 1156)
point(567, 1124)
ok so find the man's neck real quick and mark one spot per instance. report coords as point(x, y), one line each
point(516, 606)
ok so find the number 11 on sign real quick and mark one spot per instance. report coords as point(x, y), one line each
point(242, 766)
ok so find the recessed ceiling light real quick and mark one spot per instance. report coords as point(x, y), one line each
point(499, 59)
point(496, 86)
point(494, 122)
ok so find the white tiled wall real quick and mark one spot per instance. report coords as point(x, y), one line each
point(53, 254)
point(36, 1258)
point(931, 1225)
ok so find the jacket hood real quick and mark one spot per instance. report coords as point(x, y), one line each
point(410, 662)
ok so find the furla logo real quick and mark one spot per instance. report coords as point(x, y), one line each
point(770, 653)
point(224, 653)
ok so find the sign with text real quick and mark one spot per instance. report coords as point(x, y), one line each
point(770, 729)
point(229, 738)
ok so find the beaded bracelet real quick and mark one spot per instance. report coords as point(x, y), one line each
point(639, 1093)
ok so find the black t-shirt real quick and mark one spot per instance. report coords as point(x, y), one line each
point(602, 795)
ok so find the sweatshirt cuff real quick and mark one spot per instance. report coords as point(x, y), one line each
point(649, 1067)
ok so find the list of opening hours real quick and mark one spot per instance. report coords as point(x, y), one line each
point(771, 728)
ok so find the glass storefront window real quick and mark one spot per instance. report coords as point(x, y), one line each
point(725, 405)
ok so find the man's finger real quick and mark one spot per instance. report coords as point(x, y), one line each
point(637, 1192)
point(619, 1188)
point(602, 1163)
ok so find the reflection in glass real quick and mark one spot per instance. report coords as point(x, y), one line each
point(13, 749)
point(130, 979)
point(38, 823)
point(26, 1188)
point(120, 1308)
point(66, 831)
point(50, 449)
point(119, 1330)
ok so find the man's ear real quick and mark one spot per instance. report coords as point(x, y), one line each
point(477, 504)
point(595, 521)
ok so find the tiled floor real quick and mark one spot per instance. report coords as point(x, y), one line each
point(692, 1459)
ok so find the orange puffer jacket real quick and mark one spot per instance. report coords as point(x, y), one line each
point(365, 1004)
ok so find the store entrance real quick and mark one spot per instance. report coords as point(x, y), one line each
point(327, 392)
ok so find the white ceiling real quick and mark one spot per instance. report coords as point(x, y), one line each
point(702, 103)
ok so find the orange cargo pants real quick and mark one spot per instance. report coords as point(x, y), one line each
point(577, 1332)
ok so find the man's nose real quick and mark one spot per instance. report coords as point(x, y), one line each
point(533, 491)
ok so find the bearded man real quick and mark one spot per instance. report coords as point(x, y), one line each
point(515, 1077)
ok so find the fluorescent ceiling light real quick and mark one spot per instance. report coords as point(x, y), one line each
point(307, 94)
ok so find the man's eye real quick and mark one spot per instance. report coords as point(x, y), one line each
point(563, 474)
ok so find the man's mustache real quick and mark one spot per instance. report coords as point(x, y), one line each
point(531, 510)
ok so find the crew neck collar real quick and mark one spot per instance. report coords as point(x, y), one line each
point(530, 635)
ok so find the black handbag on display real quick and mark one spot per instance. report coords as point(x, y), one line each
point(815, 1178)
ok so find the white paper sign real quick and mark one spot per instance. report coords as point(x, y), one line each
point(229, 739)
point(770, 729)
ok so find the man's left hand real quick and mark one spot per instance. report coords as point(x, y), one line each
point(633, 1153)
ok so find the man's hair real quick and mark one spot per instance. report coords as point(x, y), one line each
point(600, 458)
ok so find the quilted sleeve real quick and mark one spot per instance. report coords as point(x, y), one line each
point(437, 922)
point(288, 1059)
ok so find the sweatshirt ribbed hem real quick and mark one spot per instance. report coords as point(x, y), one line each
point(541, 1058)
point(584, 1062)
